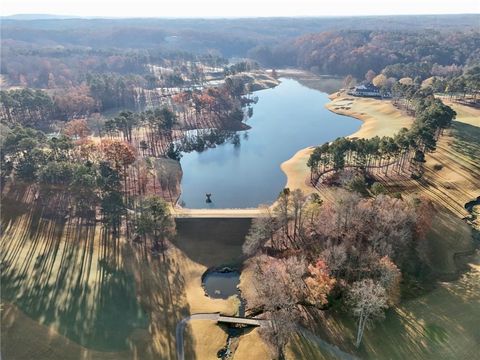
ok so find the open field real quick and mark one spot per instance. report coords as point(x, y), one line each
point(209, 339)
point(65, 294)
point(251, 346)
point(452, 172)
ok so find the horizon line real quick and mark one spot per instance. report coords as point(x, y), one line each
point(174, 17)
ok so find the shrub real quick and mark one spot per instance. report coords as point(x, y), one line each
point(397, 195)
point(358, 185)
point(57, 173)
point(378, 189)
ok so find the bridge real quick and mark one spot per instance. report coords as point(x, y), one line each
point(180, 329)
point(242, 321)
point(179, 212)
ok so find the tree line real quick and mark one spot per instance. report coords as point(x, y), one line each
point(192, 121)
point(343, 52)
point(403, 153)
point(105, 179)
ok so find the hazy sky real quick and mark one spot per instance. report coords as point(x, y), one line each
point(236, 8)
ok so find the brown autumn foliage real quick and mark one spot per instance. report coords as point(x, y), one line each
point(319, 282)
point(390, 277)
point(327, 250)
point(86, 149)
point(76, 101)
point(77, 128)
point(118, 152)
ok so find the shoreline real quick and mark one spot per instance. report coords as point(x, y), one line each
point(378, 117)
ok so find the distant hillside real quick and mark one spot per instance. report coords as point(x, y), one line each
point(60, 52)
point(37, 17)
point(230, 37)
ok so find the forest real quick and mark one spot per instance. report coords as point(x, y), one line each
point(64, 51)
point(401, 53)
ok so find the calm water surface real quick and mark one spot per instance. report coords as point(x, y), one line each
point(286, 119)
point(222, 285)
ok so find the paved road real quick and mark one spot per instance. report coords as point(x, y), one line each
point(242, 320)
point(180, 329)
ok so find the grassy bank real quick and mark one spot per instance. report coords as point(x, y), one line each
point(452, 171)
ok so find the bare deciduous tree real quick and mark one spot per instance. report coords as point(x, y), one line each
point(368, 301)
point(280, 331)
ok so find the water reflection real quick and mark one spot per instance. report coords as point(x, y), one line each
point(247, 173)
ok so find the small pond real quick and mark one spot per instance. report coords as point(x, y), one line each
point(245, 174)
point(221, 284)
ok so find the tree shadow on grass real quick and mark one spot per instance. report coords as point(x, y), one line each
point(71, 275)
point(420, 332)
point(466, 140)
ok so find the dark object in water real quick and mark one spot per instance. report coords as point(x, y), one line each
point(221, 285)
point(470, 205)
point(208, 200)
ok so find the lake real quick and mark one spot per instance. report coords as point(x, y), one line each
point(285, 120)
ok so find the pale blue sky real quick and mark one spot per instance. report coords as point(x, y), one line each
point(236, 8)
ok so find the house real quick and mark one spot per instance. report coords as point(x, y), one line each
point(365, 90)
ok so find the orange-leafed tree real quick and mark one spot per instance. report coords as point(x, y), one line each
point(75, 102)
point(319, 283)
point(390, 277)
point(77, 128)
point(118, 152)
